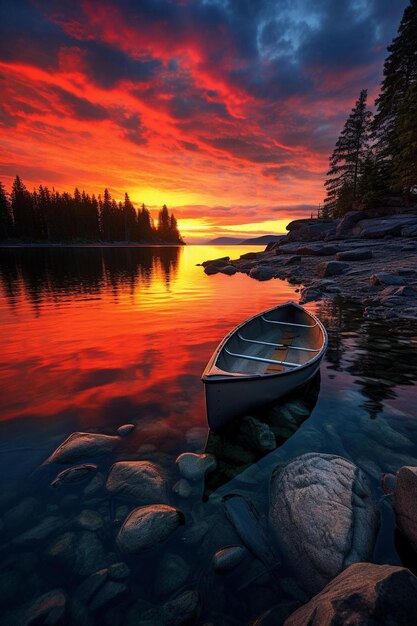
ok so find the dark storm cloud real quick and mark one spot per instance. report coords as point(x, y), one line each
point(80, 108)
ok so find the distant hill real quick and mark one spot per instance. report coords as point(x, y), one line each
point(260, 241)
point(254, 241)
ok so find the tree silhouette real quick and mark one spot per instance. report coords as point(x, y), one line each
point(46, 215)
point(6, 224)
point(400, 74)
point(347, 159)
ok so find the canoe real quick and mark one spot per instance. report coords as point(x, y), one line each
point(262, 359)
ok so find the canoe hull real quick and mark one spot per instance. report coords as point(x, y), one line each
point(228, 399)
point(233, 390)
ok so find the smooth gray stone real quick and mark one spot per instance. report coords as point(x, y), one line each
point(142, 480)
point(227, 559)
point(74, 474)
point(322, 517)
point(147, 526)
point(195, 466)
point(83, 445)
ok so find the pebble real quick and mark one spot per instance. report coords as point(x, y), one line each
point(89, 520)
point(195, 466)
point(74, 474)
point(108, 593)
point(49, 609)
point(142, 480)
point(119, 571)
point(126, 429)
point(229, 558)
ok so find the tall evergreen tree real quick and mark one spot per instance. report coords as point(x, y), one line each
point(405, 157)
point(22, 210)
point(351, 149)
point(163, 228)
point(129, 218)
point(5, 214)
point(106, 216)
point(400, 74)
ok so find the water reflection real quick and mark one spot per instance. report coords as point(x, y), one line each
point(55, 273)
point(246, 440)
point(379, 360)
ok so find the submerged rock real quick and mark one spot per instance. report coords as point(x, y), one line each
point(142, 480)
point(195, 466)
point(126, 429)
point(41, 531)
point(322, 517)
point(171, 574)
point(182, 488)
point(49, 609)
point(22, 514)
point(83, 445)
point(74, 474)
point(229, 558)
point(89, 554)
point(90, 585)
point(89, 520)
point(119, 571)
point(109, 592)
point(147, 526)
point(181, 609)
point(257, 435)
point(405, 503)
point(364, 594)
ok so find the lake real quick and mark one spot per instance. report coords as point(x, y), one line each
point(93, 338)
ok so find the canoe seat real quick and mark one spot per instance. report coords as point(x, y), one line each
point(280, 354)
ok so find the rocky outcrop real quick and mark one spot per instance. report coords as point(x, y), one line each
point(147, 526)
point(364, 594)
point(141, 480)
point(405, 503)
point(322, 517)
point(82, 446)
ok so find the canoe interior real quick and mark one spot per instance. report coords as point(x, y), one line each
point(310, 338)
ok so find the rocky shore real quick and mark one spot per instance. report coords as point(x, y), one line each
point(366, 257)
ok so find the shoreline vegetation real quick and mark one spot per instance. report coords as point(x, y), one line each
point(46, 217)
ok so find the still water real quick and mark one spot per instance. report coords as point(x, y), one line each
point(93, 338)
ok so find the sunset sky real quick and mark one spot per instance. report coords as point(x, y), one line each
point(225, 110)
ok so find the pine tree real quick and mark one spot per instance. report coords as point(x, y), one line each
point(106, 215)
point(405, 158)
point(400, 74)
point(163, 229)
point(5, 215)
point(351, 148)
point(129, 218)
point(22, 210)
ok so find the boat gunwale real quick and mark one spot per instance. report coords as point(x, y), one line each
point(233, 377)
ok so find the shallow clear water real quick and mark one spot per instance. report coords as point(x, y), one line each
point(93, 338)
